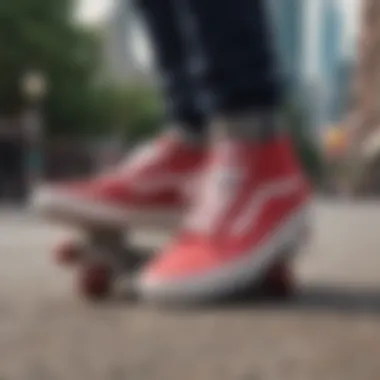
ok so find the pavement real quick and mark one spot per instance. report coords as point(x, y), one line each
point(329, 330)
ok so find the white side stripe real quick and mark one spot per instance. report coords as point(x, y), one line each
point(271, 190)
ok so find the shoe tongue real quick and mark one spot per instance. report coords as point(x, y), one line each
point(145, 154)
point(217, 189)
point(229, 154)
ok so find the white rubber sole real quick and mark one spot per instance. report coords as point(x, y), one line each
point(233, 276)
point(67, 209)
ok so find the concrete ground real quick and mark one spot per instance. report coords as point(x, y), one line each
point(329, 331)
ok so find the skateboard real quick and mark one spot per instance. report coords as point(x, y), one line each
point(100, 258)
point(103, 256)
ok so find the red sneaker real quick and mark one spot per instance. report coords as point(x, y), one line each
point(251, 211)
point(146, 188)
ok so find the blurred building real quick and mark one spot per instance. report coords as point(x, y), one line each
point(124, 44)
point(366, 107)
point(328, 65)
point(364, 120)
point(288, 20)
point(331, 37)
point(310, 36)
point(342, 89)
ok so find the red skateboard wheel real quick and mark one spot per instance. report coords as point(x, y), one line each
point(279, 282)
point(68, 252)
point(94, 281)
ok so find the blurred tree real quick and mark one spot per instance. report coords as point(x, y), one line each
point(42, 35)
point(136, 111)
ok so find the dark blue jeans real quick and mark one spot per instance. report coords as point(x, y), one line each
point(215, 57)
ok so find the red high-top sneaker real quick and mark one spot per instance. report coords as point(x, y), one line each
point(146, 188)
point(252, 210)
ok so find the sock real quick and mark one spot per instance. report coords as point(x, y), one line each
point(188, 135)
point(260, 126)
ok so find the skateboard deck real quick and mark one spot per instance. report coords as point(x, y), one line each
point(103, 256)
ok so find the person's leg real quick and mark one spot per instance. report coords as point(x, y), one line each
point(236, 60)
point(163, 24)
point(251, 206)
